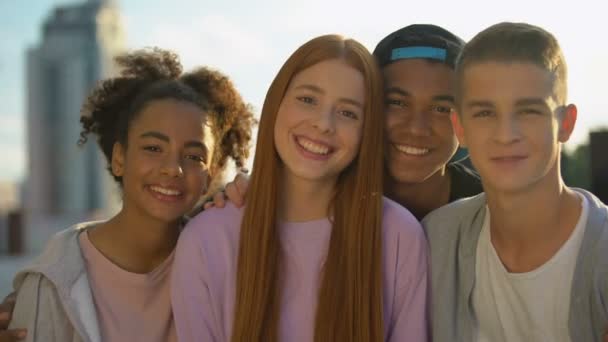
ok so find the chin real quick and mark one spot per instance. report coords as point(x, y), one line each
point(408, 177)
point(166, 216)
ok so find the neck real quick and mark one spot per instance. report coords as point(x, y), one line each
point(135, 243)
point(304, 200)
point(420, 198)
point(529, 227)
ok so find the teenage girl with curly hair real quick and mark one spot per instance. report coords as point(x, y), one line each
point(166, 135)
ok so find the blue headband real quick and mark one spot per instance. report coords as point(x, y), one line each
point(419, 52)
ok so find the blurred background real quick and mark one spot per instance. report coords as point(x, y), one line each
point(53, 51)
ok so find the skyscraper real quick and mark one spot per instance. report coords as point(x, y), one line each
point(67, 183)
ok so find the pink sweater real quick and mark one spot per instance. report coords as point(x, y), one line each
point(204, 276)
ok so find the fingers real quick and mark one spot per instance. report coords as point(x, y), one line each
point(5, 318)
point(12, 335)
point(207, 205)
point(242, 183)
point(236, 190)
point(6, 310)
point(219, 200)
point(233, 194)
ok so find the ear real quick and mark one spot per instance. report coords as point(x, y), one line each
point(458, 129)
point(118, 159)
point(567, 121)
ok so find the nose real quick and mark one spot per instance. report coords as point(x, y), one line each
point(418, 123)
point(172, 166)
point(325, 121)
point(507, 130)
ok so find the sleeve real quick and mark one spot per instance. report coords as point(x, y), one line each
point(190, 295)
point(410, 321)
point(38, 309)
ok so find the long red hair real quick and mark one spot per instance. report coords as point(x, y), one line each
point(350, 297)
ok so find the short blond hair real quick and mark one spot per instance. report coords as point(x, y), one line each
point(516, 42)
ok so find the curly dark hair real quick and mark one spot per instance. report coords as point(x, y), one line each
point(155, 74)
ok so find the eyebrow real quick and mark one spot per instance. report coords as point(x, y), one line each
point(399, 91)
point(160, 136)
point(480, 104)
point(520, 102)
point(533, 101)
point(157, 135)
point(448, 98)
point(318, 90)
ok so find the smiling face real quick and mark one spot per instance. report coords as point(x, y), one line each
point(319, 122)
point(164, 166)
point(419, 100)
point(512, 124)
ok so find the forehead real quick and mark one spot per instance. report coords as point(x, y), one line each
point(333, 77)
point(506, 81)
point(172, 117)
point(413, 74)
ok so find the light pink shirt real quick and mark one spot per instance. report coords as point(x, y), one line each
point(204, 276)
point(130, 306)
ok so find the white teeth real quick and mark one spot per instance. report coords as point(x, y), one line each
point(313, 147)
point(164, 191)
point(412, 150)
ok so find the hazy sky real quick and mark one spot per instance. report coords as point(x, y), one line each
point(249, 40)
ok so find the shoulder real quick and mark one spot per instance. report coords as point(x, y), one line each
point(453, 215)
point(397, 219)
point(33, 289)
point(211, 229)
point(595, 240)
point(61, 258)
point(40, 309)
point(400, 228)
point(213, 221)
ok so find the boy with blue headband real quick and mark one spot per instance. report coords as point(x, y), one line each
point(418, 66)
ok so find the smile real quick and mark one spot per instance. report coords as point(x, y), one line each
point(313, 147)
point(411, 150)
point(165, 191)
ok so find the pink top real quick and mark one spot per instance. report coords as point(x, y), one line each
point(204, 276)
point(130, 306)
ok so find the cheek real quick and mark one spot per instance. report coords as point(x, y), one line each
point(282, 124)
point(391, 120)
point(351, 136)
point(139, 163)
point(443, 126)
point(197, 180)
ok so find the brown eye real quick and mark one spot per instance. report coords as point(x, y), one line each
point(152, 148)
point(441, 109)
point(306, 99)
point(349, 114)
point(396, 103)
